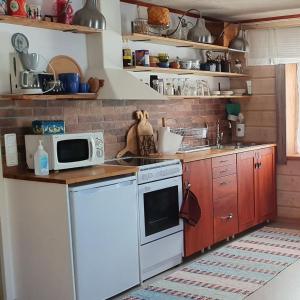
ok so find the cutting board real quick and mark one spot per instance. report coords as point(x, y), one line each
point(131, 142)
point(64, 64)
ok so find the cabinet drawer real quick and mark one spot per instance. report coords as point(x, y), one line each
point(225, 217)
point(224, 171)
point(224, 186)
point(224, 161)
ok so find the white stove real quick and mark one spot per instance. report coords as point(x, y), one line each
point(160, 199)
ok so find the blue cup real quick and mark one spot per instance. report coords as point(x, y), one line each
point(84, 87)
point(70, 82)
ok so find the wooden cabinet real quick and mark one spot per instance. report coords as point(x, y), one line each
point(235, 193)
point(199, 175)
point(246, 191)
point(256, 187)
point(265, 196)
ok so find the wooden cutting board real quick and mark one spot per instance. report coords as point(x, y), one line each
point(131, 143)
point(64, 64)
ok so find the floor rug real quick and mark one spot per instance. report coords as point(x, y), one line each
point(231, 272)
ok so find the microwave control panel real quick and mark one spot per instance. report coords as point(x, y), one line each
point(99, 146)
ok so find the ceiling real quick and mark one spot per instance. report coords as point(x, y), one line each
point(235, 10)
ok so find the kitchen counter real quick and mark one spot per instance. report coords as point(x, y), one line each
point(71, 176)
point(205, 154)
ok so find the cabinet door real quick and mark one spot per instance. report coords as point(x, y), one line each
point(265, 199)
point(199, 175)
point(246, 194)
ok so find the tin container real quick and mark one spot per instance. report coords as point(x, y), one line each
point(142, 58)
point(17, 8)
point(46, 127)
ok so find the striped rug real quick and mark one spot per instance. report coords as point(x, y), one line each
point(231, 272)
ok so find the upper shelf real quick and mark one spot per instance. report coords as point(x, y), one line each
point(47, 25)
point(153, 39)
point(183, 72)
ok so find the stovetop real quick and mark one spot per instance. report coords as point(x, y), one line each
point(136, 161)
point(150, 169)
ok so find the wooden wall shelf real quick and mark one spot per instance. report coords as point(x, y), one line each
point(183, 72)
point(138, 37)
point(47, 25)
point(86, 96)
point(208, 97)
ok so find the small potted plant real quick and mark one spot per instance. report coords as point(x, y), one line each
point(163, 60)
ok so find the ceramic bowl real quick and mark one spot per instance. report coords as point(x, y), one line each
point(186, 64)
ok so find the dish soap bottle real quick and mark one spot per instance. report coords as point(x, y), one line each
point(41, 161)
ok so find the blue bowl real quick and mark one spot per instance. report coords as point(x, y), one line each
point(164, 64)
point(71, 82)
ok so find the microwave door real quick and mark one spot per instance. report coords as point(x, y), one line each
point(72, 153)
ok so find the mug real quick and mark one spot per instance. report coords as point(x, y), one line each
point(84, 87)
point(70, 82)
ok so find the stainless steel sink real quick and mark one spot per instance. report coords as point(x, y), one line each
point(223, 147)
point(235, 146)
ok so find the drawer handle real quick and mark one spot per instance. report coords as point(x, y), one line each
point(223, 161)
point(224, 183)
point(228, 218)
point(224, 171)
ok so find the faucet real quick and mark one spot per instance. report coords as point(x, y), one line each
point(219, 136)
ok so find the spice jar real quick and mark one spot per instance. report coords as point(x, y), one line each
point(127, 57)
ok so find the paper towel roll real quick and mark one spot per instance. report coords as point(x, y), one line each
point(168, 142)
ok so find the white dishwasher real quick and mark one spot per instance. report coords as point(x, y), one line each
point(104, 222)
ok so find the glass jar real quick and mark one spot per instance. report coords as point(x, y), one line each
point(140, 25)
point(169, 90)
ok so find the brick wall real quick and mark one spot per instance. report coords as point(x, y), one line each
point(114, 117)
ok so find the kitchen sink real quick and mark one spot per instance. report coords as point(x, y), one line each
point(223, 147)
point(234, 146)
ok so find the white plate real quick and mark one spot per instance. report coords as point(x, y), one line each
point(227, 93)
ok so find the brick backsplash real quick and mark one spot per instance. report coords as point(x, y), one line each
point(114, 117)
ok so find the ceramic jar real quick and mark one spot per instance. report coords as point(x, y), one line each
point(17, 8)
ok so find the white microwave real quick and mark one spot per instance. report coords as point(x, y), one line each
point(67, 151)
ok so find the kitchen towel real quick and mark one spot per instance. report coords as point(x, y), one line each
point(190, 210)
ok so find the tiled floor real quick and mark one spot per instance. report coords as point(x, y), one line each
point(285, 286)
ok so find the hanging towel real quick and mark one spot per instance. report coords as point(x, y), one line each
point(190, 210)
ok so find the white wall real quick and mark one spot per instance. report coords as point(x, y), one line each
point(5, 243)
point(46, 42)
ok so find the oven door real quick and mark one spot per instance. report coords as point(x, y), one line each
point(159, 205)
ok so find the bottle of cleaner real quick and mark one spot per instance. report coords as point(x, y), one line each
point(41, 161)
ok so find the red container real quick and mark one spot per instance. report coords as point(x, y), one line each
point(17, 8)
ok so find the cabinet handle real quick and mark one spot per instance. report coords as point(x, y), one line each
point(223, 161)
point(228, 218)
point(224, 171)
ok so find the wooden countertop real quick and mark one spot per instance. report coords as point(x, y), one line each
point(199, 155)
point(71, 176)
point(108, 171)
